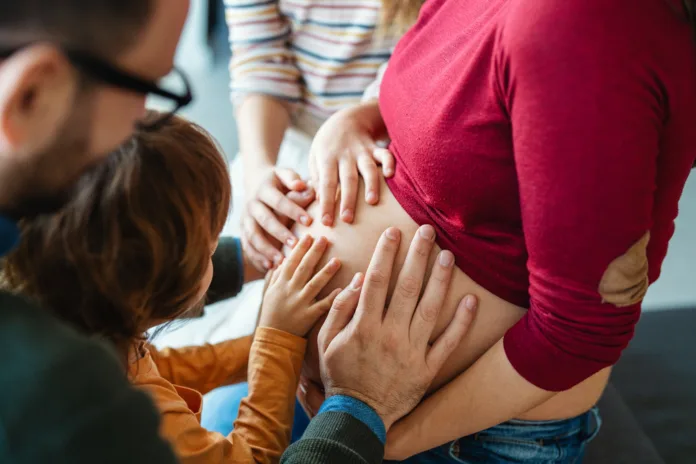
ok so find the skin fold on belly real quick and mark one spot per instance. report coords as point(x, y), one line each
point(354, 243)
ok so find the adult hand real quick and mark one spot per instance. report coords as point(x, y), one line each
point(382, 357)
point(346, 145)
point(277, 197)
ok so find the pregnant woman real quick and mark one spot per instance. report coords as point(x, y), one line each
point(548, 143)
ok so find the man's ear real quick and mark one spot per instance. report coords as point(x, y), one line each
point(38, 87)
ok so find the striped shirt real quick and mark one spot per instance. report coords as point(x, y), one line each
point(320, 55)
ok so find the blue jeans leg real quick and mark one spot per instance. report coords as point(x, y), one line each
point(221, 406)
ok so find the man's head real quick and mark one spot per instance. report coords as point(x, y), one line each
point(56, 120)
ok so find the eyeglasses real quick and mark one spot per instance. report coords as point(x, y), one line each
point(168, 101)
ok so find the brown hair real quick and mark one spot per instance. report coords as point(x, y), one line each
point(103, 27)
point(399, 15)
point(133, 244)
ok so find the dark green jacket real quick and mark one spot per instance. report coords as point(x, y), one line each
point(65, 398)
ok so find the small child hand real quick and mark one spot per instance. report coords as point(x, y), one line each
point(289, 303)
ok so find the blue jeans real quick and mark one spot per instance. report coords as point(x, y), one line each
point(221, 406)
point(539, 442)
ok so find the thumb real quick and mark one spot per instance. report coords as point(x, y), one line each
point(290, 179)
point(302, 199)
point(341, 313)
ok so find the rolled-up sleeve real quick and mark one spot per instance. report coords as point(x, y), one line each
point(262, 62)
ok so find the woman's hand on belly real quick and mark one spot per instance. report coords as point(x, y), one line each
point(345, 147)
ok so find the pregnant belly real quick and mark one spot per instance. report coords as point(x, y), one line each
point(354, 243)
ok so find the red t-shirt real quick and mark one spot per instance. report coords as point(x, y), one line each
point(544, 139)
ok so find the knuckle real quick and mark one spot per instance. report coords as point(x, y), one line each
point(328, 159)
point(377, 277)
point(450, 344)
point(329, 183)
point(362, 336)
point(409, 287)
point(390, 343)
point(439, 276)
point(313, 287)
point(341, 302)
point(275, 202)
point(302, 269)
point(422, 249)
point(351, 176)
point(429, 313)
point(387, 246)
point(266, 223)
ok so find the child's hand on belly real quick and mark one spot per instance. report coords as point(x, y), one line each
point(289, 303)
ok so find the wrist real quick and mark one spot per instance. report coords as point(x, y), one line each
point(386, 420)
point(254, 173)
point(359, 410)
point(368, 116)
point(272, 323)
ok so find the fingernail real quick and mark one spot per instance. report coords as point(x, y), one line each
point(291, 241)
point(267, 264)
point(356, 283)
point(321, 241)
point(446, 258)
point(277, 259)
point(427, 232)
point(303, 389)
point(347, 215)
point(333, 262)
point(307, 193)
point(371, 197)
point(470, 303)
point(326, 219)
point(392, 233)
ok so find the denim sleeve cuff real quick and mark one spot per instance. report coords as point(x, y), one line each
point(359, 410)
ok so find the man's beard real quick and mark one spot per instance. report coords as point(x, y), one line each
point(49, 183)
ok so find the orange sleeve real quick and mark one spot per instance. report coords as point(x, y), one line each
point(261, 433)
point(265, 416)
point(205, 367)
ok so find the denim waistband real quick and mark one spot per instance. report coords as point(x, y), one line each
point(546, 430)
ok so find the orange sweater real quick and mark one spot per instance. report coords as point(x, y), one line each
point(178, 378)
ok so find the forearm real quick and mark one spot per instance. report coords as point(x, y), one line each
point(265, 415)
point(204, 367)
point(261, 124)
point(488, 393)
